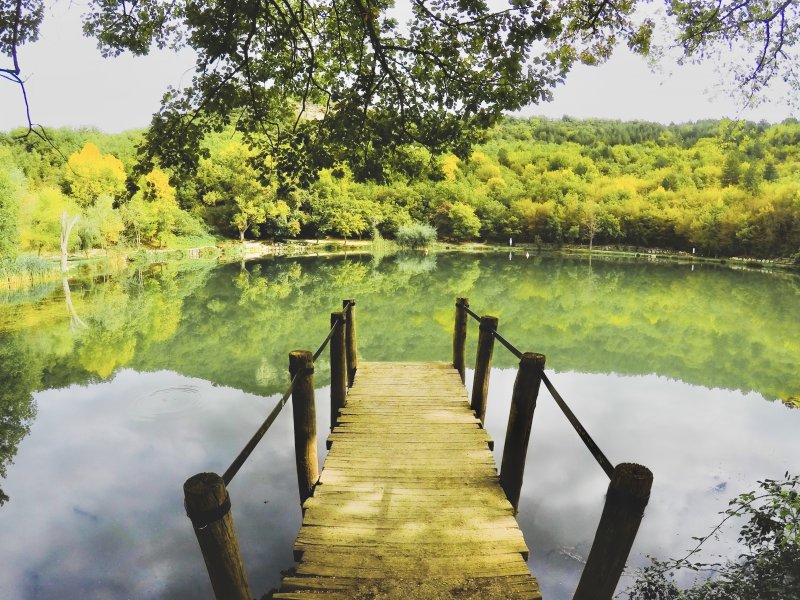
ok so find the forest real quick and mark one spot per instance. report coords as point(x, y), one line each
point(718, 188)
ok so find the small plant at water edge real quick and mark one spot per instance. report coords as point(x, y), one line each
point(416, 235)
point(768, 567)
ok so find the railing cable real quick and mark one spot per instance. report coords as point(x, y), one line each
point(604, 463)
point(248, 449)
point(469, 312)
point(601, 459)
point(251, 445)
point(507, 344)
point(330, 333)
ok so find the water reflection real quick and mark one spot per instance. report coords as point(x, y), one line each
point(703, 445)
point(147, 379)
point(103, 518)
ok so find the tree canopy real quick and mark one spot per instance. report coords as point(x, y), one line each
point(722, 188)
point(313, 82)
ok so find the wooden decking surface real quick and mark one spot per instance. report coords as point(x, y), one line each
point(409, 503)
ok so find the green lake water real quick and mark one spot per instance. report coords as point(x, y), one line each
point(114, 391)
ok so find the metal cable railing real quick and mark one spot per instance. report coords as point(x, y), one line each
point(601, 459)
point(261, 431)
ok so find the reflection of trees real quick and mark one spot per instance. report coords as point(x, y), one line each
point(17, 409)
point(716, 328)
point(712, 327)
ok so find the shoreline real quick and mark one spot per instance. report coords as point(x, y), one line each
point(103, 263)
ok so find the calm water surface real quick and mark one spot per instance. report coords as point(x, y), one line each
point(113, 392)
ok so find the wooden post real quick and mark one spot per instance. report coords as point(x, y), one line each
point(350, 341)
point(209, 507)
point(338, 367)
point(305, 422)
point(520, 418)
point(483, 365)
point(627, 497)
point(460, 336)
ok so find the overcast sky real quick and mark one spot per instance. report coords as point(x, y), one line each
point(69, 84)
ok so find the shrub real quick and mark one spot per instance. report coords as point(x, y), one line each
point(416, 235)
point(768, 567)
point(33, 265)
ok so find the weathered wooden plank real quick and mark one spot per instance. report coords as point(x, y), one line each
point(379, 518)
point(357, 415)
point(486, 496)
point(455, 548)
point(511, 587)
point(444, 463)
point(408, 444)
point(487, 565)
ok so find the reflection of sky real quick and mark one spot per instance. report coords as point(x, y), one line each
point(96, 504)
point(704, 447)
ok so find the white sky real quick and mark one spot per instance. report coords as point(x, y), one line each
point(70, 84)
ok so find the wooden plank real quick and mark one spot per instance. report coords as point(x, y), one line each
point(408, 504)
point(484, 565)
point(378, 518)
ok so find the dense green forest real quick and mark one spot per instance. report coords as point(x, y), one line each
point(721, 187)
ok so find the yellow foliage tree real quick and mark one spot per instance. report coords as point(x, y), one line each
point(91, 174)
point(450, 167)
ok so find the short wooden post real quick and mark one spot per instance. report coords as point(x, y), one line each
point(209, 507)
point(305, 422)
point(626, 499)
point(338, 367)
point(350, 340)
point(483, 365)
point(520, 419)
point(460, 337)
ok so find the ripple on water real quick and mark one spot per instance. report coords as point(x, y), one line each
point(169, 403)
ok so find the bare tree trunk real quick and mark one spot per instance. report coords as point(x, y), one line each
point(66, 229)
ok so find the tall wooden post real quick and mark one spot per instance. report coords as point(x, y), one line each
point(209, 507)
point(338, 367)
point(305, 422)
point(626, 499)
point(520, 419)
point(460, 337)
point(350, 340)
point(483, 365)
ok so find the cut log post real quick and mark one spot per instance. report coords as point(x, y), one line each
point(460, 337)
point(305, 422)
point(338, 367)
point(520, 419)
point(627, 497)
point(350, 340)
point(483, 365)
point(209, 507)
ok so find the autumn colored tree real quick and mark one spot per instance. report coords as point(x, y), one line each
point(152, 214)
point(91, 175)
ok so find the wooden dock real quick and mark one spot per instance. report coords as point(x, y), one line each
point(409, 503)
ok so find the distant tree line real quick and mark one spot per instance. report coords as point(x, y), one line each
point(720, 187)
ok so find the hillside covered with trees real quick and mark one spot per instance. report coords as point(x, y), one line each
point(722, 187)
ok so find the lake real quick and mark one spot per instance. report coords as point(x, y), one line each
point(115, 390)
